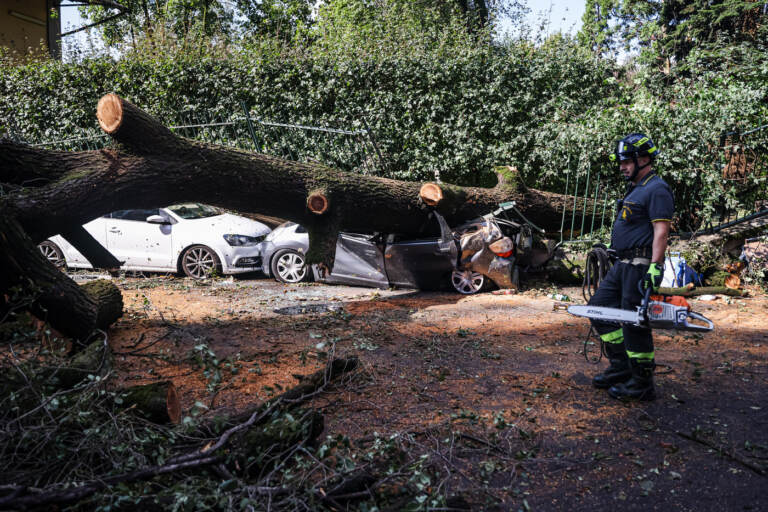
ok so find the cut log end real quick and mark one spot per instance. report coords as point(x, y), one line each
point(110, 113)
point(318, 203)
point(174, 405)
point(733, 282)
point(157, 402)
point(431, 194)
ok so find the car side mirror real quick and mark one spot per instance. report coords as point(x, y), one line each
point(157, 219)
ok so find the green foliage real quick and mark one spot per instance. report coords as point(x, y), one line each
point(666, 32)
point(459, 108)
point(281, 18)
point(144, 19)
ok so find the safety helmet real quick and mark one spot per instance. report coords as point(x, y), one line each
point(633, 146)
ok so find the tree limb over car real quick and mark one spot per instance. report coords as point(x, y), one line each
point(150, 166)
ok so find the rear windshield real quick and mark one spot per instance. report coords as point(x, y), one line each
point(194, 210)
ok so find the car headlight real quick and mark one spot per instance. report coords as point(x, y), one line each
point(242, 240)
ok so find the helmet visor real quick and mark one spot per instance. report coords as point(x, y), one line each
point(624, 151)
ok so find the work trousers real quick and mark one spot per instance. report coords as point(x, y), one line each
point(619, 289)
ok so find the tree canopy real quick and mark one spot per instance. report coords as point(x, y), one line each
point(667, 31)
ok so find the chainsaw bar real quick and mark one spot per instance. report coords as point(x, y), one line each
point(652, 315)
point(622, 316)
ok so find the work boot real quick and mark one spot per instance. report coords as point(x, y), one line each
point(618, 371)
point(640, 386)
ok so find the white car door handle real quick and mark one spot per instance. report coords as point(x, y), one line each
point(114, 230)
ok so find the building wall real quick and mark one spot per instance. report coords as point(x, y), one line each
point(27, 29)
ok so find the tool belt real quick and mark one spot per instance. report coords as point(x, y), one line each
point(630, 254)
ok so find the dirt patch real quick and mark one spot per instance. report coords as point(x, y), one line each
point(502, 376)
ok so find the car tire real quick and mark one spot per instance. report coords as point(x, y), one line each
point(467, 282)
point(288, 266)
point(199, 262)
point(52, 253)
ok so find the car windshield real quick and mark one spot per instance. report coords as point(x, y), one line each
point(194, 210)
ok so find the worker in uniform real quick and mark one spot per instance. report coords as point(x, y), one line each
point(638, 244)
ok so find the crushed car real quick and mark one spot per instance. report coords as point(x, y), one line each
point(469, 258)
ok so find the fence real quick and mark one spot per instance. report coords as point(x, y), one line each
point(349, 150)
point(739, 157)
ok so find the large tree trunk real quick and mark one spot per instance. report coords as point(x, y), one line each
point(58, 299)
point(151, 167)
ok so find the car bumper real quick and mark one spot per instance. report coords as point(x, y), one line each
point(242, 259)
point(266, 249)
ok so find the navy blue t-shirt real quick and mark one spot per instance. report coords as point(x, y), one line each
point(647, 202)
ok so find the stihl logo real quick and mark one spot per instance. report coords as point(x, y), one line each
point(594, 312)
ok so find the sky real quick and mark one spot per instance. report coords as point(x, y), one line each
point(553, 15)
point(558, 15)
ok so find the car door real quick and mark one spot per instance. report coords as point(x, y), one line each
point(425, 263)
point(359, 261)
point(140, 244)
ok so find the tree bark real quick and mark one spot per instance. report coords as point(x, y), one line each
point(59, 300)
point(108, 300)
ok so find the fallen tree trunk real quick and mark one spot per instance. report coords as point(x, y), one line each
point(108, 300)
point(151, 167)
point(68, 307)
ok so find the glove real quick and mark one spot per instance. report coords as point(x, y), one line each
point(652, 278)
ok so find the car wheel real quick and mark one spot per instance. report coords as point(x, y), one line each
point(199, 262)
point(52, 253)
point(467, 282)
point(288, 266)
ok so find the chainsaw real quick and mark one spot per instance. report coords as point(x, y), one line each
point(654, 312)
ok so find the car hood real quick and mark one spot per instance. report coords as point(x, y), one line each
point(233, 224)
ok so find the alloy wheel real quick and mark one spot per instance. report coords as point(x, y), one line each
point(467, 282)
point(199, 262)
point(291, 268)
point(52, 253)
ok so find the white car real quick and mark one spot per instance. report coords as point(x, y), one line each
point(192, 238)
